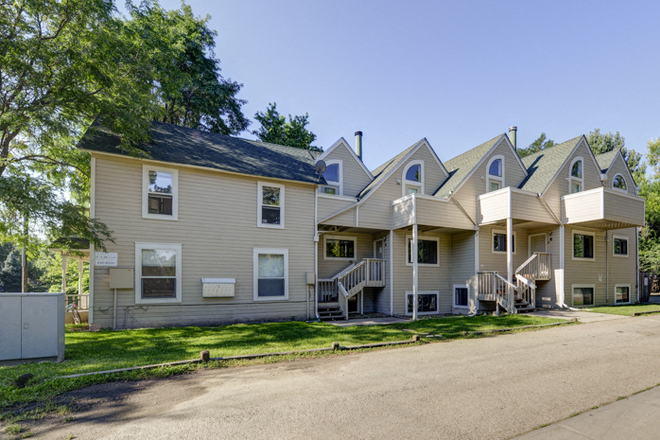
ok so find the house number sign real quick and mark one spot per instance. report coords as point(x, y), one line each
point(106, 259)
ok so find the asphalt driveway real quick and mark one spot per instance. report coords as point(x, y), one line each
point(490, 388)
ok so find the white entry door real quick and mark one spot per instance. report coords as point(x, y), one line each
point(537, 243)
point(379, 249)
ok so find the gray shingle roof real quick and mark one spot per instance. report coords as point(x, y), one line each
point(381, 172)
point(605, 160)
point(186, 146)
point(544, 165)
point(460, 166)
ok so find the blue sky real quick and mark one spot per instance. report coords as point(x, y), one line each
point(458, 73)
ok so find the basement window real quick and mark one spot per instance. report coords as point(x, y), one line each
point(427, 302)
point(583, 294)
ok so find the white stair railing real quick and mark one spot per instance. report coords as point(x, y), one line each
point(492, 287)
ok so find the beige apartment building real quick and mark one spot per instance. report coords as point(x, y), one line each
point(217, 229)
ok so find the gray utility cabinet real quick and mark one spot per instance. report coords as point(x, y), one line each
point(32, 326)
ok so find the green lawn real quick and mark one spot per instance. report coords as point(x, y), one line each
point(105, 350)
point(625, 310)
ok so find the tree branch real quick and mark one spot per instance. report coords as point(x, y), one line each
point(40, 158)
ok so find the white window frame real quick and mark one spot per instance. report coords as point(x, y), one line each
point(145, 192)
point(409, 183)
point(572, 179)
point(461, 286)
point(492, 177)
point(255, 273)
point(621, 237)
point(427, 238)
point(139, 246)
point(629, 293)
point(503, 232)
point(340, 184)
point(575, 231)
point(624, 181)
point(339, 237)
point(579, 286)
point(260, 198)
point(424, 292)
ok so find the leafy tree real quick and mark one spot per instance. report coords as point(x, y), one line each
point(602, 143)
point(190, 90)
point(11, 274)
point(64, 64)
point(541, 143)
point(277, 130)
point(653, 154)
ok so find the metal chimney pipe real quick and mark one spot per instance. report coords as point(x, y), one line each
point(358, 144)
point(513, 131)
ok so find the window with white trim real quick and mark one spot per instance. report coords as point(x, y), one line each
point(271, 274)
point(157, 273)
point(619, 183)
point(622, 293)
point(427, 302)
point(583, 294)
point(413, 178)
point(338, 247)
point(333, 176)
point(270, 205)
point(461, 295)
point(576, 176)
point(583, 245)
point(499, 241)
point(159, 192)
point(620, 246)
point(495, 170)
point(427, 251)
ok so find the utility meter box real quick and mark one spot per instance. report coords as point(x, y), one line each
point(218, 287)
point(121, 278)
point(32, 326)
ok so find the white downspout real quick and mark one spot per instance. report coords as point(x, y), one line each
point(637, 286)
point(607, 268)
point(316, 256)
point(509, 250)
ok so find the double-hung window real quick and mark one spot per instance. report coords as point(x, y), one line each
point(158, 272)
point(271, 274)
point(159, 192)
point(620, 246)
point(499, 241)
point(583, 245)
point(427, 251)
point(270, 205)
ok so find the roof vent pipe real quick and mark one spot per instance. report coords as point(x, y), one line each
point(513, 135)
point(358, 144)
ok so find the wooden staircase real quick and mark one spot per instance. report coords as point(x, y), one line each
point(519, 297)
point(334, 293)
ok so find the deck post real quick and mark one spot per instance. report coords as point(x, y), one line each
point(415, 261)
point(509, 249)
point(65, 260)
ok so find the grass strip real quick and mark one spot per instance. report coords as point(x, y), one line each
point(626, 310)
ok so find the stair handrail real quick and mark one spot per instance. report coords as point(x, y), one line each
point(526, 281)
point(508, 300)
point(528, 261)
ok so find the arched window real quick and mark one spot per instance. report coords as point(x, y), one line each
point(333, 177)
point(495, 169)
point(576, 176)
point(413, 178)
point(619, 182)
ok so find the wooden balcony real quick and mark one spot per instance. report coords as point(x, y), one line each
point(603, 209)
point(429, 211)
point(522, 206)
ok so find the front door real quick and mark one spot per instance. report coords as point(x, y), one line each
point(379, 249)
point(536, 243)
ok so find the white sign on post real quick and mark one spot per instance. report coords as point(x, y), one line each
point(106, 259)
